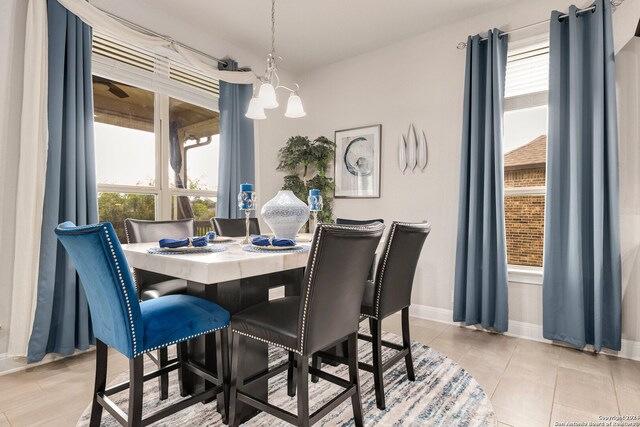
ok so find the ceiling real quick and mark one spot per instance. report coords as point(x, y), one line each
point(310, 33)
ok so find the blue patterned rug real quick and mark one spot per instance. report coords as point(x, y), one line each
point(443, 394)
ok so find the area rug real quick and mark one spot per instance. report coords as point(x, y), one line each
point(443, 394)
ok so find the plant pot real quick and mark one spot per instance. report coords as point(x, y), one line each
point(285, 214)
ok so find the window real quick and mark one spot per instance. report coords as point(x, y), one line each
point(157, 137)
point(525, 144)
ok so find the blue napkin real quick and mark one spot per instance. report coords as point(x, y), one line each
point(181, 243)
point(271, 241)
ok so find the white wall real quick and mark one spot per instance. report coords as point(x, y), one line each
point(12, 22)
point(420, 81)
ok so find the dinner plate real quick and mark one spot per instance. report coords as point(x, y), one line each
point(300, 238)
point(277, 248)
point(184, 248)
point(221, 239)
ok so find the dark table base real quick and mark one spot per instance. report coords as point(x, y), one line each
point(236, 296)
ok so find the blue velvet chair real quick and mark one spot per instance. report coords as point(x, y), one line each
point(134, 328)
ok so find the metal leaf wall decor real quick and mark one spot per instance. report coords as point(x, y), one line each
point(412, 148)
point(413, 151)
point(402, 153)
point(423, 153)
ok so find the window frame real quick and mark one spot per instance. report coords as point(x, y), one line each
point(521, 273)
point(163, 87)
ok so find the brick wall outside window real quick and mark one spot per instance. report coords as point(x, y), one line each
point(524, 214)
point(524, 222)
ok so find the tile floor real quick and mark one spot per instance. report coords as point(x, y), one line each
point(530, 383)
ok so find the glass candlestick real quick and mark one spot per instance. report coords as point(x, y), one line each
point(315, 205)
point(247, 203)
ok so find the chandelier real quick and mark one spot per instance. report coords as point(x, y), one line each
point(266, 98)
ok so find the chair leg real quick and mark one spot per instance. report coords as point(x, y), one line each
point(184, 375)
point(222, 359)
point(136, 373)
point(163, 380)
point(291, 376)
point(354, 378)
point(302, 376)
point(102, 355)
point(406, 343)
point(316, 362)
point(236, 378)
point(376, 335)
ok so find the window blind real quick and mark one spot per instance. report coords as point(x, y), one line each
point(527, 71)
point(149, 70)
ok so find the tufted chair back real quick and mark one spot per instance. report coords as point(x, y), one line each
point(397, 267)
point(336, 272)
point(144, 231)
point(346, 221)
point(104, 274)
point(235, 227)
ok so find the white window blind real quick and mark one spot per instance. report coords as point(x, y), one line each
point(119, 60)
point(193, 78)
point(527, 71)
point(117, 51)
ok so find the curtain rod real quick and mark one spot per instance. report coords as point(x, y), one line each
point(615, 3)
point(163, 37)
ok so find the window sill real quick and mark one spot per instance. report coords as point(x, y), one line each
point(524, 274)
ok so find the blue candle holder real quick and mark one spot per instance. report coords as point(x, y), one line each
point(247, 203)
point(315, 204)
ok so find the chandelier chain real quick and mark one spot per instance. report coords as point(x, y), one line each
point(273, 27)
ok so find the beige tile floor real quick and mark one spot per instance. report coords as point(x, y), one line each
point(530, 383)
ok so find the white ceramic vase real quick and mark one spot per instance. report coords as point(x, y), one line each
point(285, 214)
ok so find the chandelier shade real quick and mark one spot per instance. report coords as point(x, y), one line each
point(255, 110)
point(267, 96)
point(294, 107)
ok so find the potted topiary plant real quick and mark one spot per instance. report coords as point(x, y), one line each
point(306, 163)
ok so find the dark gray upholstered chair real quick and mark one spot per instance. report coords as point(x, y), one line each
point(388, 294)
point(326, 313)
point(234, 227)
point(150, 285)
point(346, 221)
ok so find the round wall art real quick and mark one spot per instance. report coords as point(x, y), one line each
point(358, 157)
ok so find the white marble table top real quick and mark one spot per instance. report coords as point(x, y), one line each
point(232, 264)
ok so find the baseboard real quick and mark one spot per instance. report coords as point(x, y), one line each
point(529, 331)
point(9, 365)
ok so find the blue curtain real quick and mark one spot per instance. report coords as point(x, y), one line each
point(62, 321)
point(582, 273)
point(481, 255)
point(236, 159)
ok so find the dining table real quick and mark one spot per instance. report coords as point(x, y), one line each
point(235, 279)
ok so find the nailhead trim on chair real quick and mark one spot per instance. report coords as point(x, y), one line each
point(378, 282)
point(266, 341)
point(126, 233)
point(126, 296)
point(124, 290)
point(135, 281)
point(322, 227)
point(183, 339)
